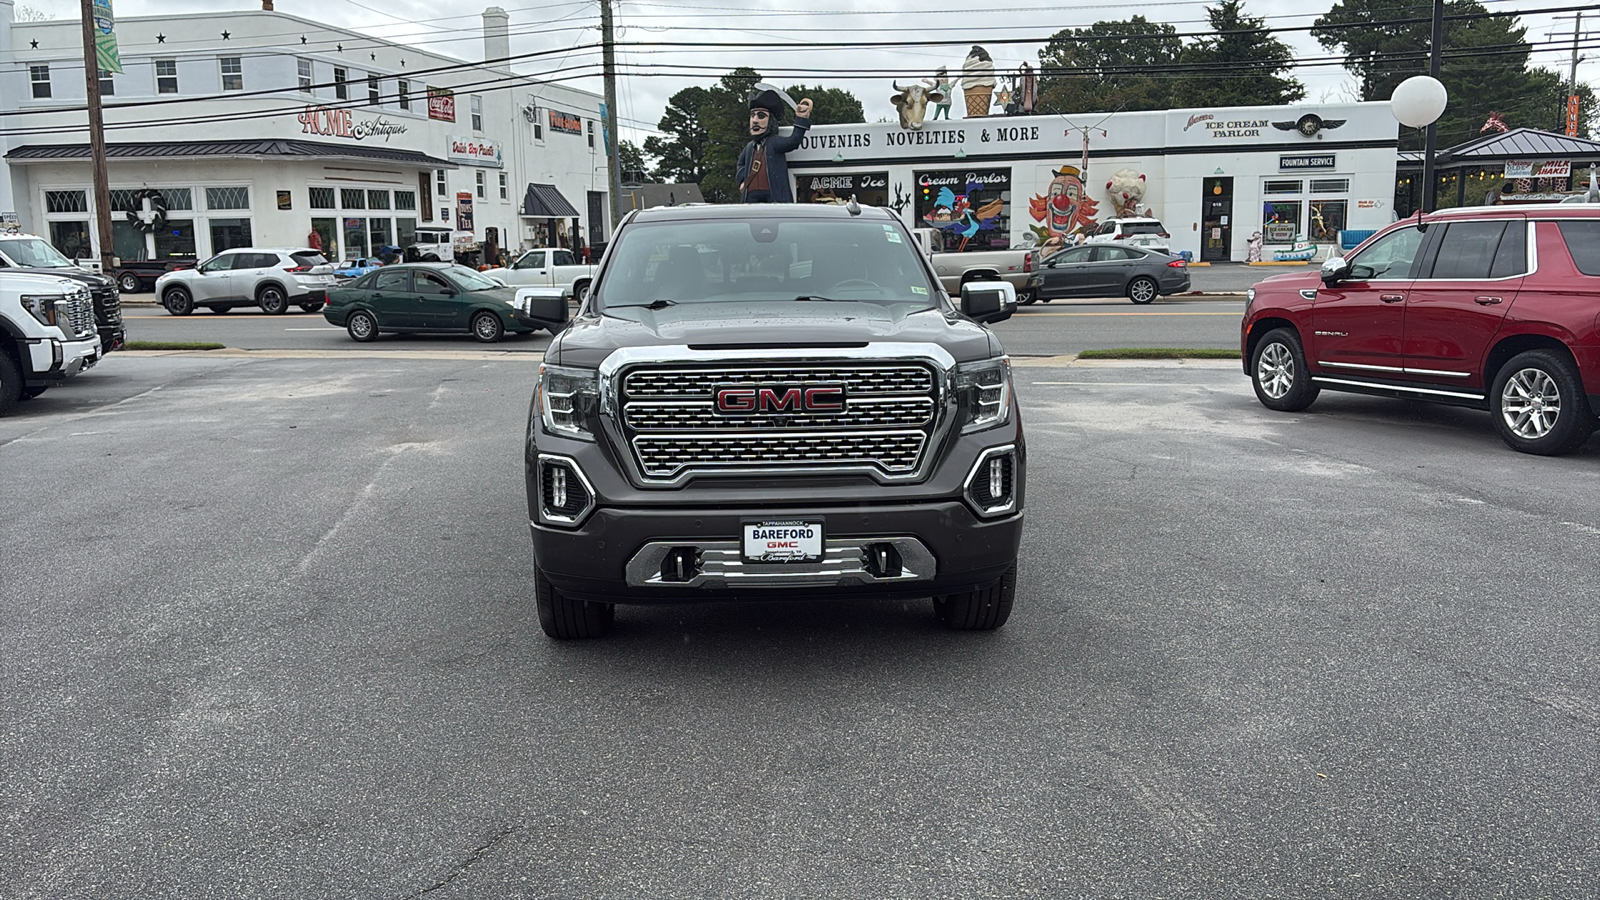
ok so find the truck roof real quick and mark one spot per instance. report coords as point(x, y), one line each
point(708, 211)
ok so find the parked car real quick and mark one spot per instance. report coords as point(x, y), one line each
point(1141, 231)
point(272, 279)
point(355, 268)
point(1109, 270)
point(441, 298)
point(543, 267)
point(1485, 307)
point(31, 253)
point(47, 333)
point(430, 245)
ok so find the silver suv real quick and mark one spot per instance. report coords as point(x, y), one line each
point(250, 276)
point(1140, 231)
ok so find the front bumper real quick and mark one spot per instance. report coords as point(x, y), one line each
point(53, 361)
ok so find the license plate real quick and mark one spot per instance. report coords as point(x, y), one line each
point(782, 541)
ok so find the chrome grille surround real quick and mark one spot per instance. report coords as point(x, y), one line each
point(80, 314)
point(108, 304)
point(659, 403)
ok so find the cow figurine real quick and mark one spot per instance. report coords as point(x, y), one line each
point(912, 102)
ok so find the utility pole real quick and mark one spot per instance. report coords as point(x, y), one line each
point(608, 58)
point(1572, 93)
point(1431, 141)
point(97, 141)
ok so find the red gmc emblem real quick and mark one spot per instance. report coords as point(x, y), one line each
point(758, 400)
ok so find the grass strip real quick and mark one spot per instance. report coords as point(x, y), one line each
point(1160, 353)
point(173, 345)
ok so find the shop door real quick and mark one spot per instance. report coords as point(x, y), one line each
point(1216, 231)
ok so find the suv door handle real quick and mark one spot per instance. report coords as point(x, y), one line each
point(1488, 301)
point(1391, 298)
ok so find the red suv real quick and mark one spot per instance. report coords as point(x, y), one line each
point(1495, 308)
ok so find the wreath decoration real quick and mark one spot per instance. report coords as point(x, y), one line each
point(158, 210)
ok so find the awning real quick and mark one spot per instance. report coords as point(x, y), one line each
point(543, 201)
point(258, 147)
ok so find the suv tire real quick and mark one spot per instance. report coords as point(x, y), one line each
point(178, 301)
point(128, 283)
point(1142, 291)
point(982, 609)
point(1278, 372)
point(1539, 404)
point(564, 618)
point(273, 301)
point(10, 383)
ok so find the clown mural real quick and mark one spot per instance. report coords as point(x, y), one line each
point(1064, 210)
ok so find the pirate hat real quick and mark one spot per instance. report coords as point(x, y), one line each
point(769, 101)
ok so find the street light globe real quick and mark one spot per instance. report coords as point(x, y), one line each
point(1418, 101)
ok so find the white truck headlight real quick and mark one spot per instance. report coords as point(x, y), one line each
point(43, 306)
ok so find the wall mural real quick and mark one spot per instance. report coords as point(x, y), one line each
point(976, 218)
point(1063, 210)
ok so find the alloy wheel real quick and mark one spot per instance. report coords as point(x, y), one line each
point(1530, 403)
point(1275, 370)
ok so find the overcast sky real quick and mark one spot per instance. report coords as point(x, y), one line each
point(453, 27)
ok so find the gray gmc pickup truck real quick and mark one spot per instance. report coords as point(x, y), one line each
point(774, 402)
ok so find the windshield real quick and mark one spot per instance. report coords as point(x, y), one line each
point(724, 260)
point(1141, 228)
point(33, 253)
point(471, 280)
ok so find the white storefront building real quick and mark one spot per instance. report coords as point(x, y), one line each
point(258, 127)
point(1212, 176)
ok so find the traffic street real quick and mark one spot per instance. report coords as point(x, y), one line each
point(270, 633)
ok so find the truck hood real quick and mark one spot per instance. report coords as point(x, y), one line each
point(780, 325)
point(81, 276)
point(1291, 281)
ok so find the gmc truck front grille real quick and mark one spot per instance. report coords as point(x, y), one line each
point(108, 305)
point(827, 416)
point(80, 309)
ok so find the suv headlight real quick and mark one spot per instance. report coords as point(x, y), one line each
point(43, 306)
point(567, 399)
point(985, 391)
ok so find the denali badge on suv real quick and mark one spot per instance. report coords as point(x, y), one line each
point(773, 402)
point(1492, 308)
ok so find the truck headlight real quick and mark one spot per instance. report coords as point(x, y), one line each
point(43, 306)
point(985, 391)
point(567, 399)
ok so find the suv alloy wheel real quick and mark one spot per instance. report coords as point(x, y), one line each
point(273, 300)
point(178, 301)
point(1278, 372)
point(1539, 405)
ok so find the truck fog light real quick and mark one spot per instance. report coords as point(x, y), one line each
point(991, 486)
point(565, 495)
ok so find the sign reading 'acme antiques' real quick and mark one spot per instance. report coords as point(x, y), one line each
point(326, 122)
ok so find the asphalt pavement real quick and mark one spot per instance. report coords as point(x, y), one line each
point(269, 633)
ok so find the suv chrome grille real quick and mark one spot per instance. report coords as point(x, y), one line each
point(671, 420)
point(80, 309)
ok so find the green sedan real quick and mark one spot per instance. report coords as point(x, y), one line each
point(439, 298)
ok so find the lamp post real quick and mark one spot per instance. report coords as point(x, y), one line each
point(1417, 103)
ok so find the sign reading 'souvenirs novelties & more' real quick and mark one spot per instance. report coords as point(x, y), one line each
point(972, 207)
point(442, 104)
point(569, 123)
point(464, 211)
point(474, 151)
point(869, 188)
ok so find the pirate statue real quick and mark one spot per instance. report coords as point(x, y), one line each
point(763, 173)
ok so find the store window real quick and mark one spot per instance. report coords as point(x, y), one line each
point(175, 239)
point(404, 94)
point(1330, 185)
point(505, 189)
point(1280, 221)
point(1328, 218)
point(322, 198)
point(352, 198)
point(127, 241)
point(374, 92)
point(72, 239)
point(355, 237)
point(405, 200)
point(39, 76)
point(377, 199)
point(232, 74)
point(972, 207)
point(166, 76)
point(227, 198)
point(591, 134)
point(303, 74)
point(227, 234)
point(477, 113)
point(341, 83)
point(65, 202)
point(328, 230)
point(481, 193)
point(405, 231)
point(178, 198)
point(1282, 187)
point(108, 88)
point(382, 235)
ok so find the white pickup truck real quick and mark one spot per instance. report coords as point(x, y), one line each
point(956, 268)
point(543, 267)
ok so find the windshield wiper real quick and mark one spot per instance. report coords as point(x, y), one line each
point(805, 297)
point(658, 303)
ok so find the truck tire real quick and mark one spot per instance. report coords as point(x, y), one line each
point(128, 283)
point(983, 609)
point(10, 383)
point(564, 618)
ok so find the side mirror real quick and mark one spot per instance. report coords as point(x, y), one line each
point(988, 301)
point(1050, 265)
point(547, 304)
point(1335, 270)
